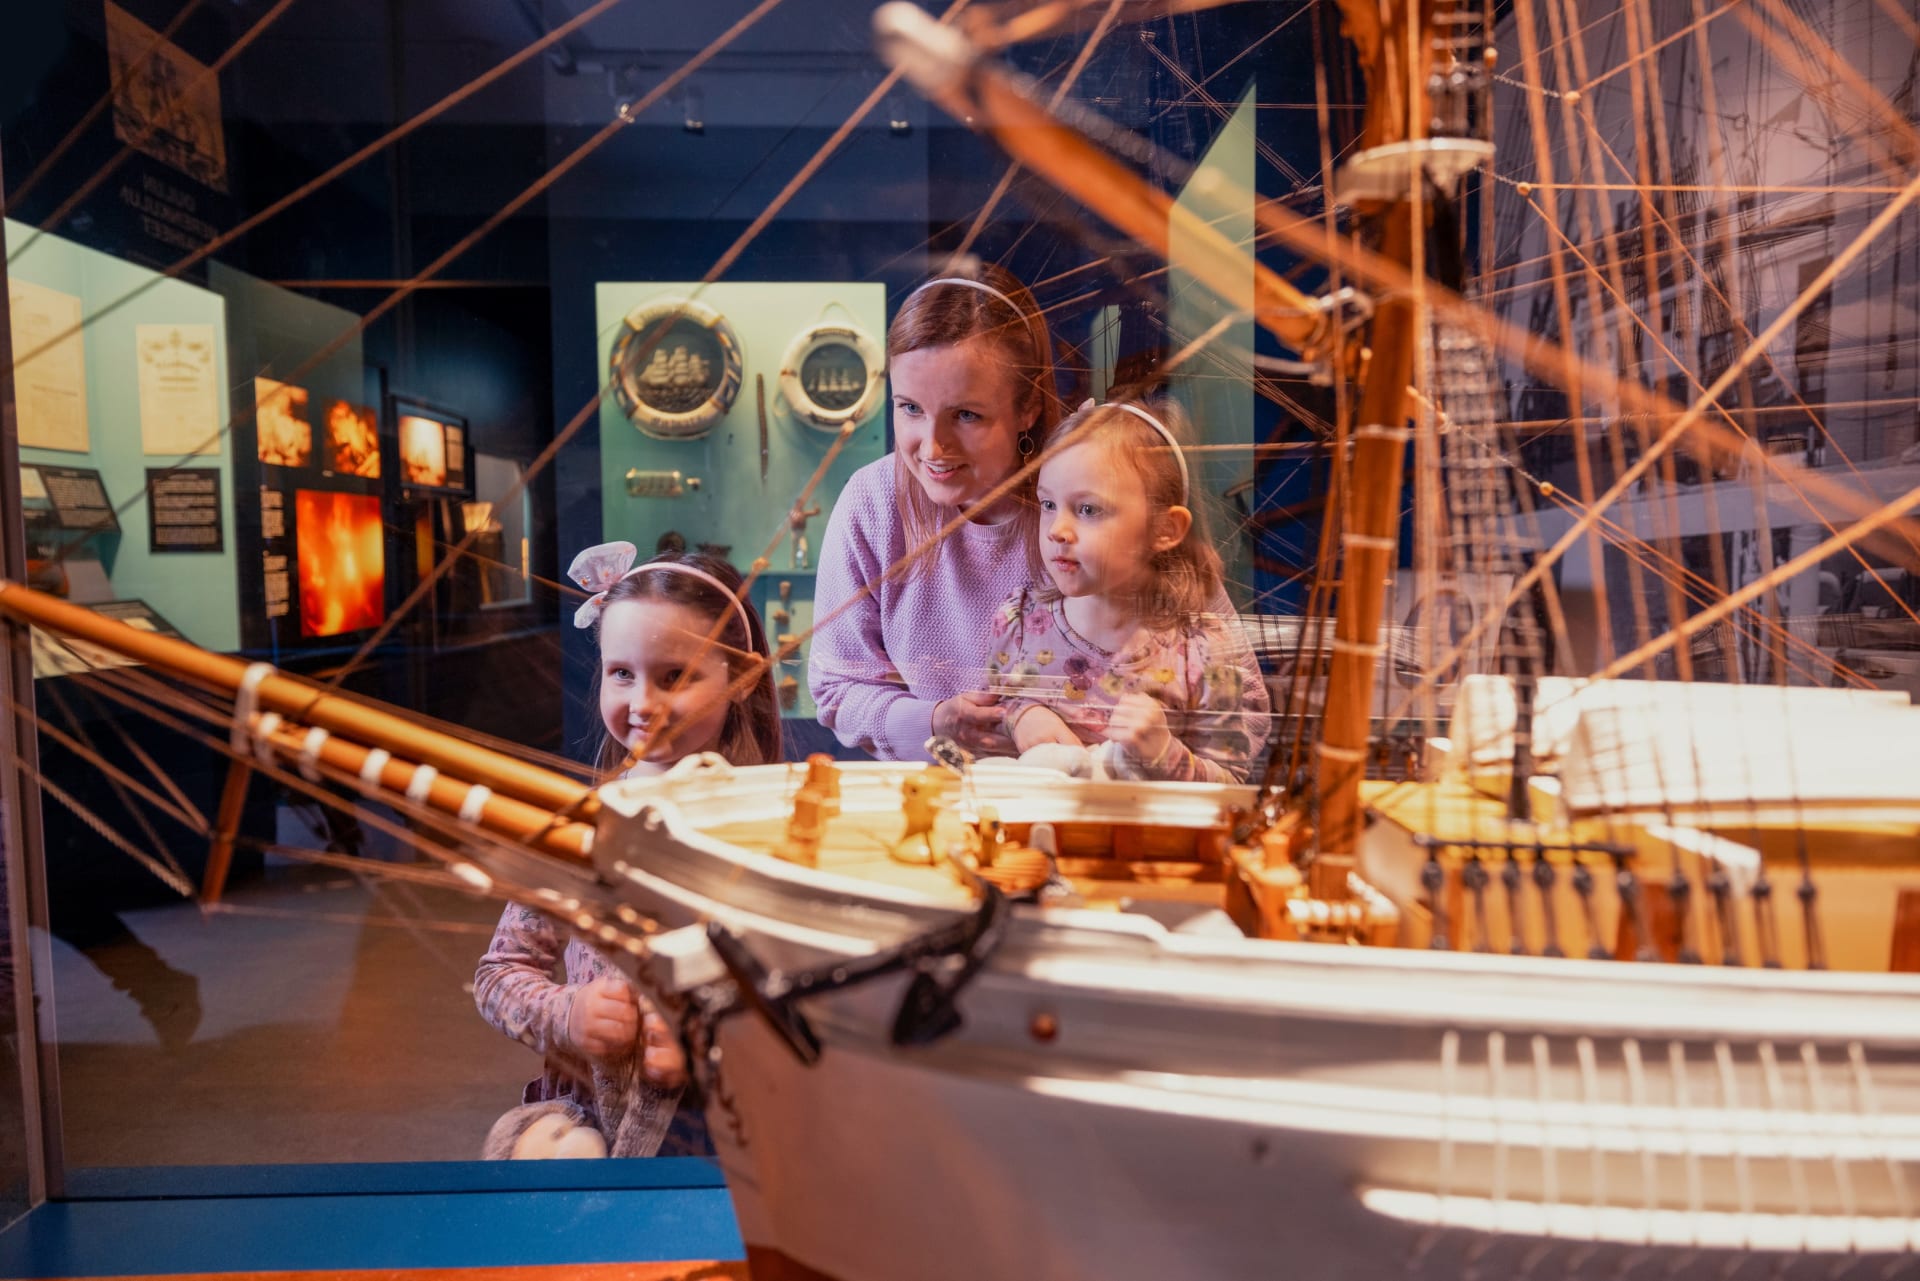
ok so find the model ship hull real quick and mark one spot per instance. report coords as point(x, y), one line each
point(1122, 1100)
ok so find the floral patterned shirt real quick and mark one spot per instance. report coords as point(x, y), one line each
point(516, 991)
point(1193, 670)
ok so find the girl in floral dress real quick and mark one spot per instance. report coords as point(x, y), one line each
point(1129, 648)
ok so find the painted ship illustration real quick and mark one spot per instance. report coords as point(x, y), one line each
point(677, 372)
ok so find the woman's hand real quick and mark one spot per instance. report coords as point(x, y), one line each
point(605, 1018)
point(973, 720)
point(1139, 724)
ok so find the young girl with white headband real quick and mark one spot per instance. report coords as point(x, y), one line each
point(1127, 649)
point(684, 669)
point(925, 542)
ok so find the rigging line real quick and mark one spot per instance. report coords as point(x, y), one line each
point(114, 90)
point(1809, 558)
point(1581, 124)
point(1685, 327)
point(1863, 93)
point(995, 29)
point(1641, 55)
point(1712, 189)
point(1693, 412)
point(165, 875)
point(1544, 357)
point(93, 758)
point(719, 268)
point(373, 148)
point(1059, 95)
point(1583, 462)
point(224, 908)
point(1735, 317)
point(433, 269)
point(146, 132)
point(1273, 31)
point(1702, 590)
point(1905, 21)
point(1210, 103)
point(1626, 310)
point(84, 748)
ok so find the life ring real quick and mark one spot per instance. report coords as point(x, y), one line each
point(832, 375)
point(690, 373)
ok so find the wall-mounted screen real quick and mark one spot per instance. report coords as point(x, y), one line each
point(342, 561)
point(433, 448)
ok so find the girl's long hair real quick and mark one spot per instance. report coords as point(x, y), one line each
point(944, 315)
point(751, 732)
point(1183, 580)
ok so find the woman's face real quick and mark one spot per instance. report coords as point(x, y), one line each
point(955, 420)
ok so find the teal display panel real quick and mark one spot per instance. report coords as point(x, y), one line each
point(194, 591)
point(736, 506)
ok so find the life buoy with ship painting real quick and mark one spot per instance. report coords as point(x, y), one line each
point(676, 368)
point(832, 375)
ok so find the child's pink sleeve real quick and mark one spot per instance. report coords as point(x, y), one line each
point(514, 986)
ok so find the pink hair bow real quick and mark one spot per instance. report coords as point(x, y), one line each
point(597, 569)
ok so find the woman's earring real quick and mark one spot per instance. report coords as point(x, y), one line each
point(1026, 444)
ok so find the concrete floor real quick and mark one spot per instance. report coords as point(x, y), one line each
point(314, 1016)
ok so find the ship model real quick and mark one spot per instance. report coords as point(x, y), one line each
point(1614, 977)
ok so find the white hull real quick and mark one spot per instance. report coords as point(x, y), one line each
point(1195, 1107)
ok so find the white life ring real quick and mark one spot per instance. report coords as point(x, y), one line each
point(832, 375)
point(691, 372)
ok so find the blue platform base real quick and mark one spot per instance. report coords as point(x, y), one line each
point(337, 1218)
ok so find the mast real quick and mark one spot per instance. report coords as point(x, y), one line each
point(1419, 107)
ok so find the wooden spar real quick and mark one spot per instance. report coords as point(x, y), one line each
point(307, 703)
point(226, 826)
point(501, 815)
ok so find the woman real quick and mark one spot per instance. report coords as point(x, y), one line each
point(924, 543)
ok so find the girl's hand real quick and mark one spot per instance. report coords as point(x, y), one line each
point(605, 1018)
point(1139, 724)
point(663, 1060)
point(973, 720)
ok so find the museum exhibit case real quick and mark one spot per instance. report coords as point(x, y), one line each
point(1097, 638)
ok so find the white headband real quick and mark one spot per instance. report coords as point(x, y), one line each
point(1179, 454)
point(598, 568)
point(984, 288)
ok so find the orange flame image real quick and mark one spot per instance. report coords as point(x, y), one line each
point(342, 561)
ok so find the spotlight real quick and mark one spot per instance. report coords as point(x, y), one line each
point(694, 105)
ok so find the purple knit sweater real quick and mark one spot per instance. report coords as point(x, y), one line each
point(877, 670)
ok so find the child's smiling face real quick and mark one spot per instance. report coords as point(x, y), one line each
point(1097, 534)
point(654, 692)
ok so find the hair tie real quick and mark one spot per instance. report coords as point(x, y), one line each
point(1179, 454)
point(599, 567)
point(991, 292)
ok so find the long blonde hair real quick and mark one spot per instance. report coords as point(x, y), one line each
point(1183, 580)
point(942, 315)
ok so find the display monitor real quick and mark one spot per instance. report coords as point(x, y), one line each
point(433, 453)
